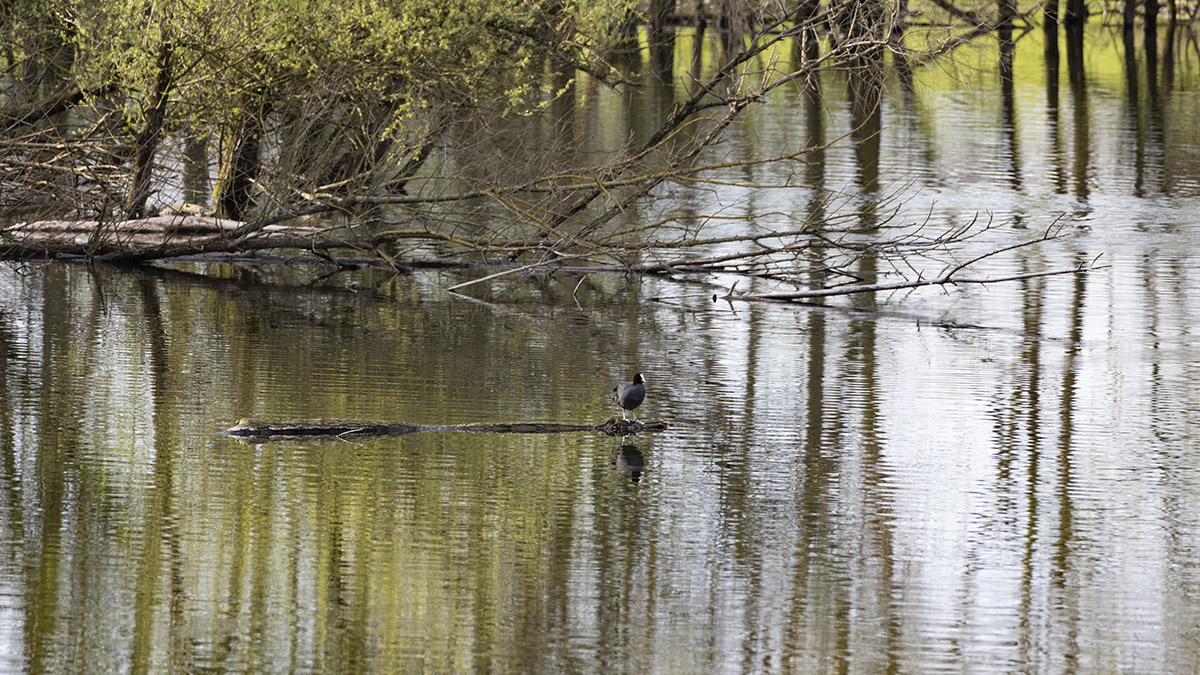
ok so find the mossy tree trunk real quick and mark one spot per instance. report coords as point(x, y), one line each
point(146, 145)
point(233, 194)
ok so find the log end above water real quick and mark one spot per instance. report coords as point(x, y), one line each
point(622, 427)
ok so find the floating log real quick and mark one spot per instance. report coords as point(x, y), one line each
point(258, 430)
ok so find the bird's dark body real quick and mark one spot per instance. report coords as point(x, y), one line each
point(630, 395)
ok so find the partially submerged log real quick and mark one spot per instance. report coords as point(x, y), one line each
point(155, 231)
point(181, 230)
point(258, 430)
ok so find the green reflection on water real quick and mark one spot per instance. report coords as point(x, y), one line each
point(189, 549)
point(841, 491)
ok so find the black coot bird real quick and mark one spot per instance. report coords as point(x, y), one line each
point(630, 395)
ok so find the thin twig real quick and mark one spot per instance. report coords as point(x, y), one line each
point(540, 263)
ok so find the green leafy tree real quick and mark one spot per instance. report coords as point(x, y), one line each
point(353, 91)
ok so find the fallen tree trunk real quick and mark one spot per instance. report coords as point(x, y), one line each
point(162, 237)
point(257, 430)
point(137, 234)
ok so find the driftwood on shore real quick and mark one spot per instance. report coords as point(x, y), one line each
point(257, 430)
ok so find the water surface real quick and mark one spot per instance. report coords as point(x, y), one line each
point(980, 479)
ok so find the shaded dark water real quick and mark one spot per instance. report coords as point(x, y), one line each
point(985, 480)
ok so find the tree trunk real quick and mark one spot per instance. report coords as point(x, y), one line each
point(1150, 9)
point(239, 168)
point(807, 44)
point(1076, 13)
point(661, 40)
point(896, 41)
point(1168, 74)
point(148, 137)
point(660, 13)
point(1050, 32)
point(196, 189)
point(1007, 11)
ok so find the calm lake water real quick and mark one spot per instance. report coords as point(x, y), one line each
point(982, 480)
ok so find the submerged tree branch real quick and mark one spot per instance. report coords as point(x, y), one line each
point(944, 280)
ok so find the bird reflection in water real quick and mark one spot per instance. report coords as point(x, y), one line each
point(629, 460)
